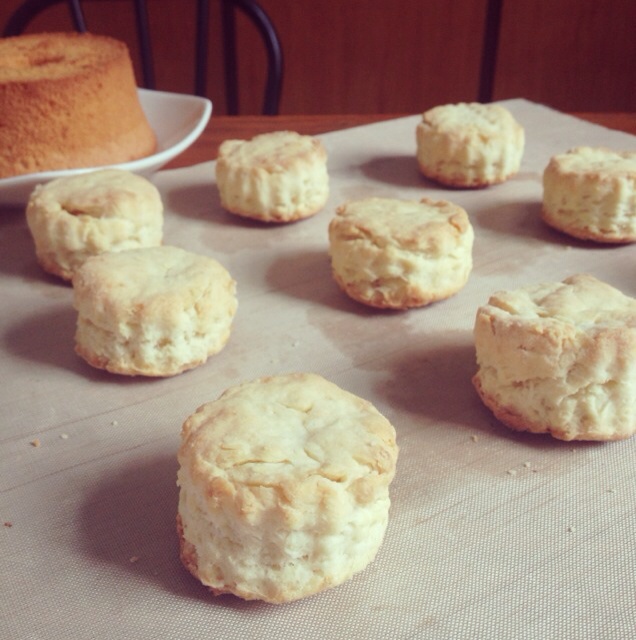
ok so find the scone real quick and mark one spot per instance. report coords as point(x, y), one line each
point(274, 177)
point(81, 215)
point(469, 145)
point(590, 193)
point(397, 254)
point(560, 358)
point(284, 488)
point(154, 312)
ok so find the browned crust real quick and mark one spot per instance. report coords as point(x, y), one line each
point(101, 362)
point(458, 181)
point(379, 300)
point(187, 552)
point(273, 217)
point(512, 419)
point(552, 219)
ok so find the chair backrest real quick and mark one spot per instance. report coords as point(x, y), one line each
point(29, 9)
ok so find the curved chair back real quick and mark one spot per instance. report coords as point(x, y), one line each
point(29, 9)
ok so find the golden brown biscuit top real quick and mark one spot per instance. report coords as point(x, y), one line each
point(470, 118)
point(103, 193)
point(289, 431)
point(272, 152)
point(599, 161)
point(160, 282)
point(581, 301)
point(410, 224)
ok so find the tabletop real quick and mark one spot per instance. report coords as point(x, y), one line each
point(244, 127)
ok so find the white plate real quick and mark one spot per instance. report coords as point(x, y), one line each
point(177, 120)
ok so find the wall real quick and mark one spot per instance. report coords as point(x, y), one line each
point(398, 56)
point(575, 55)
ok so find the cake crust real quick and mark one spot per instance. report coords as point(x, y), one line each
point(68, 100)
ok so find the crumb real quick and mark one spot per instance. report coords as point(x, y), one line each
point(35, 442)
point(571, 529)
point(296, 343)
point(133, 559)
point(114, 423)
point(8, 524)
point(474, 438)
point(611, 490)
point(512, 472)
point(527, 465)
point(64, 436)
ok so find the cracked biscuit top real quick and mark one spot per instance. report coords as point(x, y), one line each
point(285, 429)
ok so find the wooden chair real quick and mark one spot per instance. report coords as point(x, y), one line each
point(28, 10)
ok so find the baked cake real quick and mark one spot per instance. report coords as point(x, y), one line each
point(397, 254)
point(68, 100)
point(274, 177)
point(560, 358)
point(154, 311)
point(469, 145)
point(590, 193)
point(77, 216)
point(284, 487)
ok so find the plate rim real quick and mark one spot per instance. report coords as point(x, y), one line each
point(148, 164)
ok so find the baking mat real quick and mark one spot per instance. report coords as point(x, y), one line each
point(492, 534)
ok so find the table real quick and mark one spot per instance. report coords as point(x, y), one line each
point(223, 127)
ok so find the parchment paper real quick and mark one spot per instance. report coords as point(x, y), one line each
point(492, 534)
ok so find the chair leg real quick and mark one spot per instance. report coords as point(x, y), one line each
point(201, 52)
point(489, 50)
point(143, 35)
point(228, 23)
point(77, 16)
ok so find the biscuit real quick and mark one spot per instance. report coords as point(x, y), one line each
point(397, 254)
point(77, 216)
point(154, 311)
point(469, 145)
point(590, 193)
point(560, 358)
point(284, 488)
point(274, 177)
